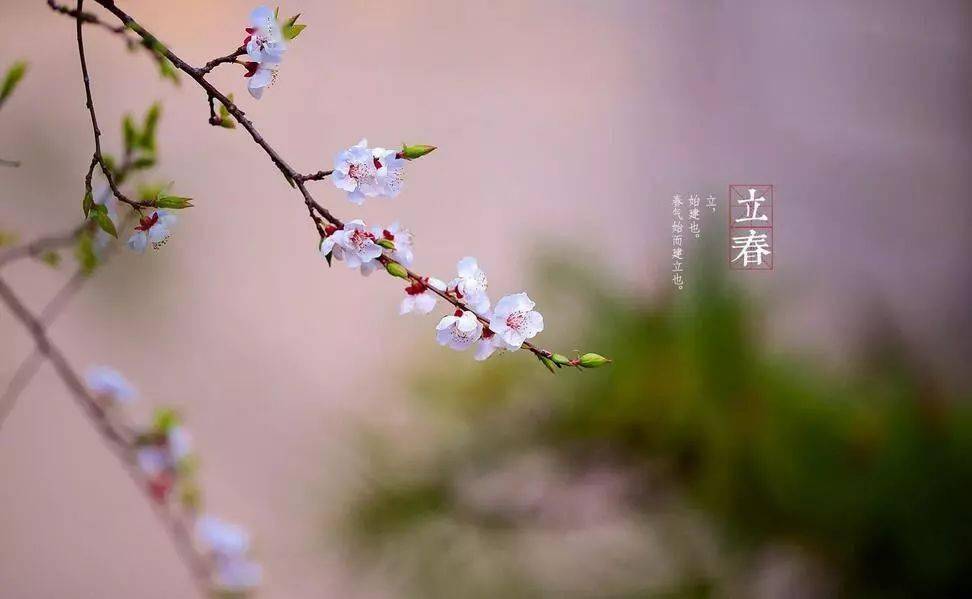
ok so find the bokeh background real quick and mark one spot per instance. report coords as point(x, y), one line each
point(803, 432)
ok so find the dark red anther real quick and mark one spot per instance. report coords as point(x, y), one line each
point(251, 68)
point(377, 163)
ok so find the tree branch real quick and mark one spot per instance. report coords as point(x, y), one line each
point(121, 440)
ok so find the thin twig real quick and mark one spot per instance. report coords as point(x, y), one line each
point(10, 163)
point(292, 176)
point(229, 58)
point(37, 247)
point(119, 438)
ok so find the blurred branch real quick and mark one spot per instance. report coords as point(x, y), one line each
point(119, 438)
point(43, 244)
point(10, 163)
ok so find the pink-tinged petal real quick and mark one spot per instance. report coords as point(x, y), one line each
point(138, 242)
point(484, 350)
point(261, 16)
point(436, 284)
point(327, 245)
point(534, 323)
point(424, 302)
point(446, 322)
point(407, 305)
point(443, 336)
point(467, 267)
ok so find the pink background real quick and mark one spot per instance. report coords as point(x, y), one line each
point(569, 122)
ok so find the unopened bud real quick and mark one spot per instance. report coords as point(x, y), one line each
point(593, 360)
point(396, 270)
point(386, 243)
point(416, 151)
point(560, 359)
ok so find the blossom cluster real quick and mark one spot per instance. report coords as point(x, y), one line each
point(164, 456)
point(367, 172)
point(265, 44)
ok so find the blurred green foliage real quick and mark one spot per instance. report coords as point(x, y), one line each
point(869, 472)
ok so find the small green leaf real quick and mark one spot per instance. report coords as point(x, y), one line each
point(85, 254)
point(173, 202)
point(560, 360)
point(51, 258)
point(129, 132)
point(547, 362)
point(149, 126)
point(14, 74)
point(291, 31)
point(143, 163)
point(164, 420)
point(227, 123)
point(87, 203)
point(99, 214)
point(110, 163)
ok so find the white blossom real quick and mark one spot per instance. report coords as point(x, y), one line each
point(166, 454)
point(108, 382)
point(228, 544)
point(403, 240)
point(356, 171)
point(261, 75)
point(391, 174)
point(222, 538)
point(355, 245)
point(471, 285)
point(419, 297)
point(488, 344)
point(459, 331)
point(154, 229)
point(237, 575)
point(264, 41)
point(514, 320)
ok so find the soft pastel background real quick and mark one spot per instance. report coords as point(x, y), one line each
point(560, 124)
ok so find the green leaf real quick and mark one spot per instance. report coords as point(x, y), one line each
point(87, 203)
point(14, 74)
point(225, 119)
point(99, 214)
point(150, 191)
point(292, 31)
point(130, 133)
point(143, 163)
point(547, 363)
point(164, 420)
point(149, 127)
point(110, 163)
point(51, 258)
point(85, 254)
point(173, 202)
